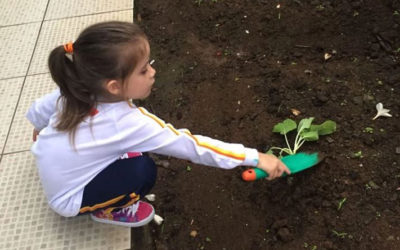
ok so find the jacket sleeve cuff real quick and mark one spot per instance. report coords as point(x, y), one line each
point(33, 121)
point(251, 157)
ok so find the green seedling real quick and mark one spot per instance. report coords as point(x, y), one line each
point(338, 234)
point(341, 203)
point(368, 130)
point(306, 131)
point(358, 154)
point(188, 168)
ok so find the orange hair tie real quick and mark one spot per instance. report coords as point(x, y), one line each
point(69, 48)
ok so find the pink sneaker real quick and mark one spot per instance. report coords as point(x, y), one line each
point(136, 215)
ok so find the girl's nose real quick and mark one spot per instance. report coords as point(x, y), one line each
point(154, 71)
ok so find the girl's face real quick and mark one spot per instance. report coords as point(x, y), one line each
point(139, 83)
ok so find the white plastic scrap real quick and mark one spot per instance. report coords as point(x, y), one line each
point(158, 219)
point(327, 56)
point(150, 197)
point(381, 111)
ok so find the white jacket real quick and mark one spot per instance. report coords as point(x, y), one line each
point(116, 129)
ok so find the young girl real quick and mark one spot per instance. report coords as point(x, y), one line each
point(91, 150)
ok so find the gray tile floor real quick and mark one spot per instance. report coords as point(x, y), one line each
point(28, 31)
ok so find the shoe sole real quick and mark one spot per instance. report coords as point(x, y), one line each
point(126, 224)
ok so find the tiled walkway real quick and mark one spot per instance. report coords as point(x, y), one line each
point(28, 31)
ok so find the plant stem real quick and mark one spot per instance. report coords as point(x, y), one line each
point(296, 141)
point(286, 150)
point(287, 143)
point(298, 145)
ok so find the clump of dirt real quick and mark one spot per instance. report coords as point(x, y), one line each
point(231, 70)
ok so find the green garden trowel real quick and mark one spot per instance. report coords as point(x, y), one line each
point(296, 163)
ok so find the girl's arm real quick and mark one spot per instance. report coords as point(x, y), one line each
point(42, 109)
point(142, 131)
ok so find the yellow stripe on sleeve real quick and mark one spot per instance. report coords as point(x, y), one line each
point(217, 150)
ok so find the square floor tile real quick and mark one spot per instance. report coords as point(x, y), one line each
point(9, 93)
point(60, 8)
point(18, 43)
point(27, 222)
point(21, 11)
point(20, 137)
point(58, 32)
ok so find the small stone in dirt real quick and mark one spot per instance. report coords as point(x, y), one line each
point(398, 150)
point(285, 235)
point(163, 163)
point(391, 237)
point(329, 139)
point(193, 233)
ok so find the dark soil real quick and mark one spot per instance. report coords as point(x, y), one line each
point(216, 79)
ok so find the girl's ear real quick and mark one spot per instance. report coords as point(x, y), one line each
point(114, 87)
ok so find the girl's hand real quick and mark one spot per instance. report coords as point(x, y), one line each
point(272, 165)
point(35, 134)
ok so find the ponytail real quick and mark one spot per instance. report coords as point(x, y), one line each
point(104, 51)
point(76, 102)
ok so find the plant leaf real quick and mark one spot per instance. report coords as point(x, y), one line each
point(305, 124)
point(285, 127)
point(326, 128)
point(270, 151)
point(310, 135)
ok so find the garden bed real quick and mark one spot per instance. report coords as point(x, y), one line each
point(231, 70)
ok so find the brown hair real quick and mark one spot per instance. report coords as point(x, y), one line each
point(103, 51)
